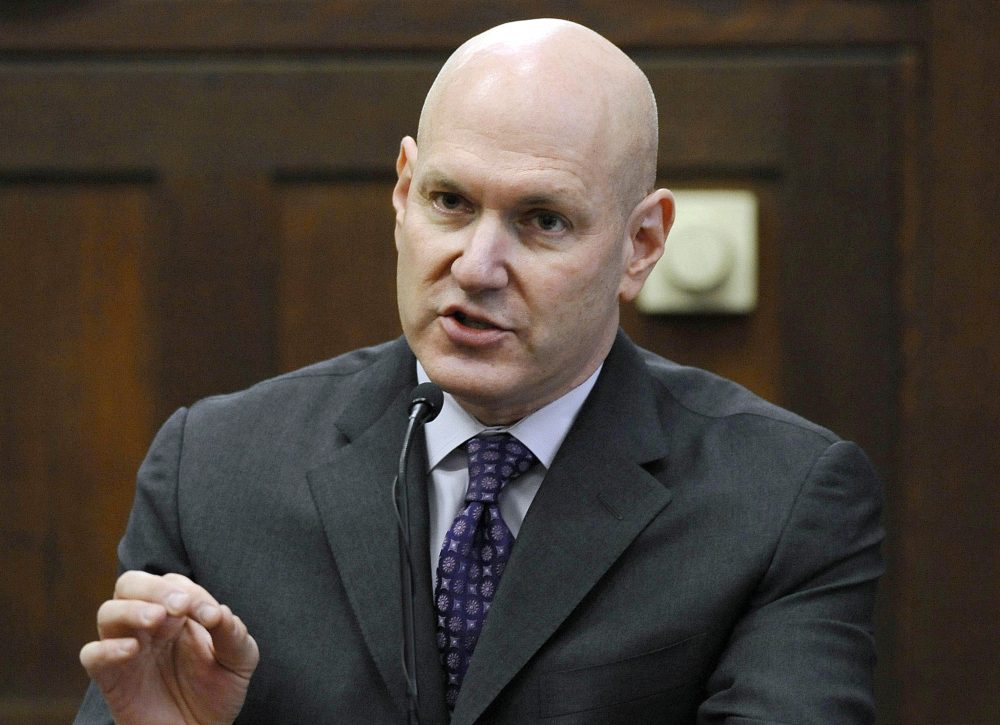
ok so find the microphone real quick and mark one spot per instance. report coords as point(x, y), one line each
point(425, 403)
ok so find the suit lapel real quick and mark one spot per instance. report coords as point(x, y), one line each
point(593, 502)
point(352, 493)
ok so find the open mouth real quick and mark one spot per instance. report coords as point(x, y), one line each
point(472, 322)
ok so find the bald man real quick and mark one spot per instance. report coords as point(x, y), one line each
point(651, 544)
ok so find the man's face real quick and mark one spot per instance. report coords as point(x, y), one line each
point(512, 252)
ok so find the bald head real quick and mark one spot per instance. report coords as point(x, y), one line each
point(554, 77)
point(526, 214)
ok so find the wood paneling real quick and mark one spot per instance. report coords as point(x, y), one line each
point(271, 229)
point(948, 583)
point(840, 320)
point(76, 414)
point(718, 117)
point(337, 283)
point(388, 25)
point(196, 195)
point(220, 139)
point(214, 289)
point(825, 337)
point(208, 117)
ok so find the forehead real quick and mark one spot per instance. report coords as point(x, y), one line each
point(510, 121)
point(483, 146)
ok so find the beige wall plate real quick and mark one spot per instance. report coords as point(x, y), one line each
point(709, 262)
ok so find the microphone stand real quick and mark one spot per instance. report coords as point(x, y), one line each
point(406, 580)
point(425, 405)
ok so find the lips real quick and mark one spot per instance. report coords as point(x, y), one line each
point(466, 329)
point(473, 322)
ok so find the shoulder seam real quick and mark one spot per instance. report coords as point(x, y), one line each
point(801, 424)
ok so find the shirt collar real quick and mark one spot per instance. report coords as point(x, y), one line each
point(542, 431)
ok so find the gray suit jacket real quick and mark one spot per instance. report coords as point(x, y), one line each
point(694, 554)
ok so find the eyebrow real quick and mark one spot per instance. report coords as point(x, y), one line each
point(542, 200)
point(437, 180)
point(441, 182)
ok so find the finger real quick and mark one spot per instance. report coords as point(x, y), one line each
point(127, 617)
point(98, 657)
point(234, 648)
point(176, 593)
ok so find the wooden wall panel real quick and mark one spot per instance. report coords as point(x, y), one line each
point(220, 138)
point(825, 337)
point(337, 285)
point(209, 116)
point(76, 413)
point(719, 118)
point(389, 25)
point(948, 592)
point(840, 320)
point(213, 294)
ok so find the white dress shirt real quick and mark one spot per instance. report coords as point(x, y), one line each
point(542, 432)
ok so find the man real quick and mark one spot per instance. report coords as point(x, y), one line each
point(683, 550)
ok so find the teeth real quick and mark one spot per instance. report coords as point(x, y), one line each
point(469, 322)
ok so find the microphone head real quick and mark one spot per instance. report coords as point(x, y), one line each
point(427, 399)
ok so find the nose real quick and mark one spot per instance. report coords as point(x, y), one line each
point(482, 264)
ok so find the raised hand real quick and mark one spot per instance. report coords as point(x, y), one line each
point(169, 653)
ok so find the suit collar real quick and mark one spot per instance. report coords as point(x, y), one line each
point(594, 501)
point(542, 431)
point(377, 391)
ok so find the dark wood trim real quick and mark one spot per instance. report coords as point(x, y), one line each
point(142, 26)
point(948, 562)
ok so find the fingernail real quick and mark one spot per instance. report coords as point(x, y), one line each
point(149, 614)
point(205, 611)
point(177, 601)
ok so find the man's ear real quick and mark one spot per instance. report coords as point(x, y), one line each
point(648, 226)
point(404, 175)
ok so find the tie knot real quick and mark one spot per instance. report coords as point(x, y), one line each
point(494, 460)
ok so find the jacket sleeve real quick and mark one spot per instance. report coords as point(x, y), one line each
point(804, 652)
point(152, 540)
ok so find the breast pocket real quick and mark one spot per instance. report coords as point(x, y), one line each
point(660, 675)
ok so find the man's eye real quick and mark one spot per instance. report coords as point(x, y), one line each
point(448, 200)
point(549, 222)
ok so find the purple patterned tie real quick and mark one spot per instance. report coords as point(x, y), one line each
point(475, 552)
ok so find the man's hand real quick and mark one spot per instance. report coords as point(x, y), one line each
point(169, 652)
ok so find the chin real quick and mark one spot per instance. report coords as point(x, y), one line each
point(478, 383)
point(470, 381)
